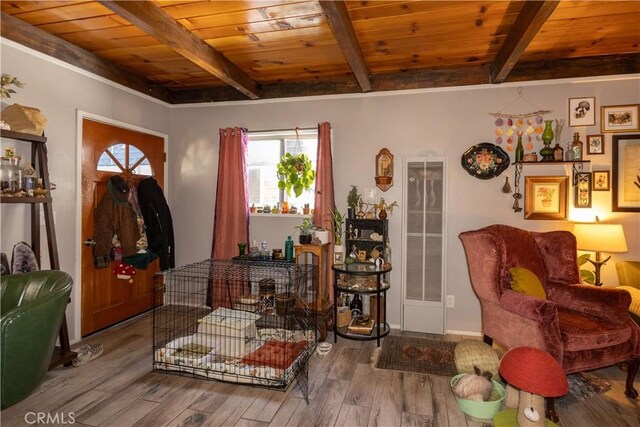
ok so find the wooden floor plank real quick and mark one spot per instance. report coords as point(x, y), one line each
point(131, 414)
point(288, 408)
point(343, 367)
point(360, 390)
point(265, 406)
point(189, 418)
point(174, 404)
point(416, 420)
point(119, 388)
point(352, 415)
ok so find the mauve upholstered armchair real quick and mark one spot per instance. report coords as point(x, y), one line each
point(583, 326)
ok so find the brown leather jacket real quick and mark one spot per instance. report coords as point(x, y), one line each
point(111, 217)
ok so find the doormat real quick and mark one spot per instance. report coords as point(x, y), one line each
point(423, 355)
point(582, 386)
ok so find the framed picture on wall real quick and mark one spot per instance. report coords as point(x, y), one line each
point(545, 197)
point(595, 144)
point(620, 118)
point(625, 180)
point(601, 181)
point(582, 195)
point(582, 112)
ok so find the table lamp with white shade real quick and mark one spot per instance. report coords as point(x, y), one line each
point(598, 237)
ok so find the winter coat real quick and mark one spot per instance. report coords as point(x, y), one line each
point(114, 215)
point(158, 222)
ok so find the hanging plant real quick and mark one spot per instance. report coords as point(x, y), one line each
point(295, 172)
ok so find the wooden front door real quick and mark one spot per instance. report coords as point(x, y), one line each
point(106, 151)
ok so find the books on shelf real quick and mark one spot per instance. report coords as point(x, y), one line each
point(358, 328)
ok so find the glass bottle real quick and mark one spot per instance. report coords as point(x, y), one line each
point(576, 147)
point(519, 150)
point(288, 249)
point(558, 153)
point(356, 305)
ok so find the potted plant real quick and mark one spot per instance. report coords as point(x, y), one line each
point(305, 209)
point(295, 172)
point(353, 199)
point(337, 221)
point(253, 208)
point(305, 231)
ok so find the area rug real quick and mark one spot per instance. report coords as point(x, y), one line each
point(424, 355)
point(436, 357)
point(583, 386)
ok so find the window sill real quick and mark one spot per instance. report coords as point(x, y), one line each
point(280, 215)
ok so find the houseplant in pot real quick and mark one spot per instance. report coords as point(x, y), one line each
point(305, 231)
point(353, 199)
point(295, 171)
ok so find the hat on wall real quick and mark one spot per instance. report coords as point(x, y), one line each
point(124, 271)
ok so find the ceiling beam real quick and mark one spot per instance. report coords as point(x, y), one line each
point(342, 28)
point(527, 24)
point(154, 21)
point(590, 66)
point(32, 37)
point(465, 76)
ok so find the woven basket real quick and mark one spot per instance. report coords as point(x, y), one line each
point(470, 353)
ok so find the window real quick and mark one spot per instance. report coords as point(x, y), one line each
point(265, 151)
point(124, 157)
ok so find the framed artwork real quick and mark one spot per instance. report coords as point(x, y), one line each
point(625, 180)
point(338, 257)
point(545, 197)
point(595, 144)
point(620, 118)
point(582, 112)
point(601, 181)
point(362, 256)
point(582, 195)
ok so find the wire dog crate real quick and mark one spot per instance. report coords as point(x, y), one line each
point(260, 333)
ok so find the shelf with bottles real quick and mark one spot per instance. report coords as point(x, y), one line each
point(358, 281)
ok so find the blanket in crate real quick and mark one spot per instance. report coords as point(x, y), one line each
point(277, 354)
point(189, 354)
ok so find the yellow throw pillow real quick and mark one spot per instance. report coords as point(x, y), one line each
point(526, 282)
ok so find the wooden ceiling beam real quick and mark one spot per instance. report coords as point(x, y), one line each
point(151, 19)
point(342, 28)
point(527, 24)
point(32, 37)
point(524, 71)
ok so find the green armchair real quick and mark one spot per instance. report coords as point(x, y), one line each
point(32, 306)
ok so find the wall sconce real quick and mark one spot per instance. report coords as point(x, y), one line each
point(384, 169)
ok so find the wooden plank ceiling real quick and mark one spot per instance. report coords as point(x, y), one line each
point(184, 51)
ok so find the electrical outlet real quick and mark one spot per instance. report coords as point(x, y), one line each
point(451, 301)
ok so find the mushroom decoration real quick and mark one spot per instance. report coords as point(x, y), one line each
point(124, 271)
point(537, 375)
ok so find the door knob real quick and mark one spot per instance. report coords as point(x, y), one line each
point(89, 242)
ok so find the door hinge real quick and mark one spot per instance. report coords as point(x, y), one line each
point(164, 157)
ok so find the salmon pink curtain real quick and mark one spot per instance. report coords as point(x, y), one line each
point(231, 220)
point(324, 202)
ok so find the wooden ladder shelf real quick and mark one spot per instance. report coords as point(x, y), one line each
point(62, 354)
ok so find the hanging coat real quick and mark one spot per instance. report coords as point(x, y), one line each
point(114, 215)
point(158, 222)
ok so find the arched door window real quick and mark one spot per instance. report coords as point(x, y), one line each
point(124, 158)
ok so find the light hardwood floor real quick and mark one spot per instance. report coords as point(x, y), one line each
point(119, 389)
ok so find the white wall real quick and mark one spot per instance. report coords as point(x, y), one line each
point(441, 123)
point(59, 92)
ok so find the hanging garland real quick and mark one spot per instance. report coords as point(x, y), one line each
point(509, 126)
